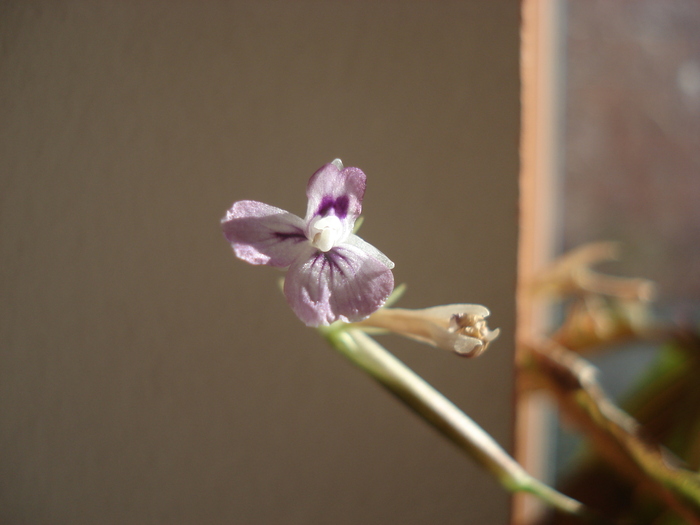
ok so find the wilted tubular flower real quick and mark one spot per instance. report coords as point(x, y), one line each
point(332, 273)
point(459, 328)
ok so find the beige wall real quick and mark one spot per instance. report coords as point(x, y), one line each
point(146, 375)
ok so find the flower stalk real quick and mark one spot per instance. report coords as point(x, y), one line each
point(455, 425)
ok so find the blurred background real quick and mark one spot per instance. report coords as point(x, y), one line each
point(146, 375)
point(627, 113)
point(632, 139)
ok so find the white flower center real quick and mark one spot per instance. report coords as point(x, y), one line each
point(325, 233)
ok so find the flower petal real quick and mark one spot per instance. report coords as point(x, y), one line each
point(263, 234)
point(334, 190)
point(344, 284)
point(366, 247)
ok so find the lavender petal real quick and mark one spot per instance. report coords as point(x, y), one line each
point(335, 191)
point(344, 284)
point(369, 249)
point(262, 234)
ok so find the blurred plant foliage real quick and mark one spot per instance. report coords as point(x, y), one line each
point(641, 460)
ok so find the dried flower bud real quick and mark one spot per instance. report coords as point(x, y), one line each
point(459, 328)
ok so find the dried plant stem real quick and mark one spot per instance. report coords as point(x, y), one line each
point(410, 388)
point(616, 435)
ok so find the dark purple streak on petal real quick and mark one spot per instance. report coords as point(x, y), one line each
point(297, 236)
point(338, 206)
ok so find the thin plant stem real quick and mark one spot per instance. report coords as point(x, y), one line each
point(454, 424)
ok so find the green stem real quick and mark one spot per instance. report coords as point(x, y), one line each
point(415, 392)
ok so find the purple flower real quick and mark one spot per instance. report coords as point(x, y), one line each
point(333, 274)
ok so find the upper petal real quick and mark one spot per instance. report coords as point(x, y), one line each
point(344, 284)
point(334, 190)
point(262, 234)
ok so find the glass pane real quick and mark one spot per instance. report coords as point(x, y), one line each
point(633, 138)
point(632, 164)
